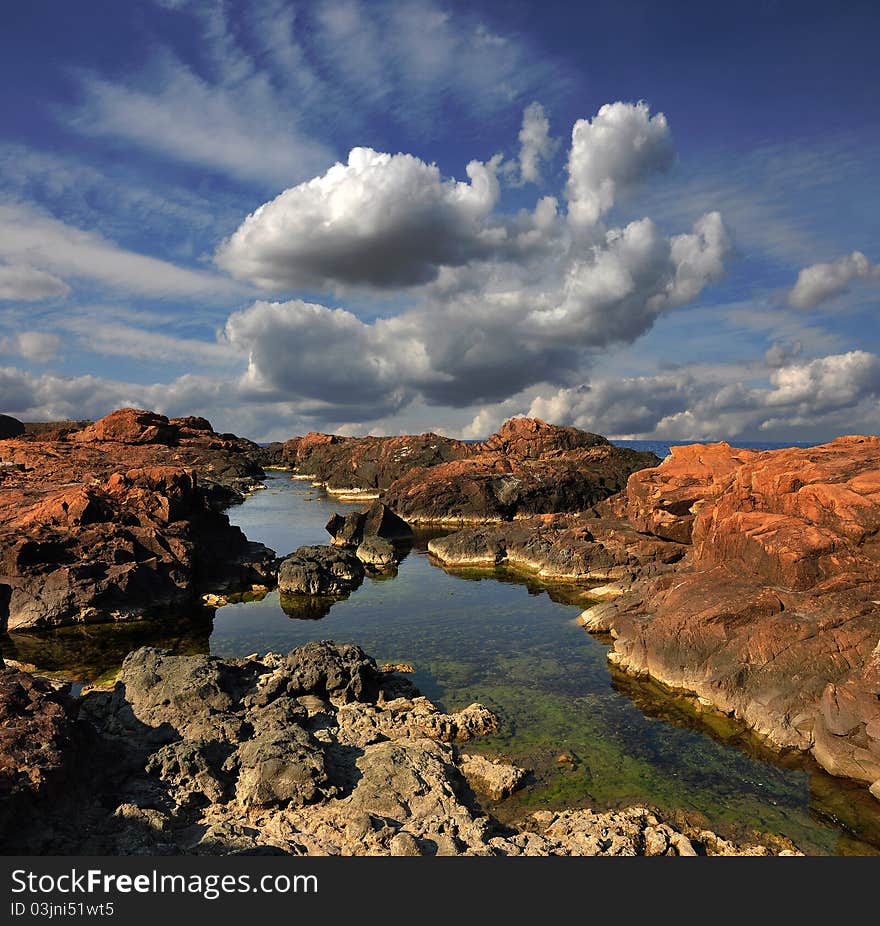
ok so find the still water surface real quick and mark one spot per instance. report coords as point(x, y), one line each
point(515, 645)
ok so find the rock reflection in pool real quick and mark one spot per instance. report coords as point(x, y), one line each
point(502, 639)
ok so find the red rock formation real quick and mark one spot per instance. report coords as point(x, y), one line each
point(534, 438)
point(112, 521)
point(544, 469)
point(774, 614)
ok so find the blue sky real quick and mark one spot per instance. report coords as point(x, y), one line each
point(701, 261)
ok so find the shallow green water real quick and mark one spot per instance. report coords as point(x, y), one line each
point(501, 639)
point(514, 645)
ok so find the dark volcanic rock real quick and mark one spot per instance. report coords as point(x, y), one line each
point(376, 553)
point(376, 521)
point(313, 752)
point(320, 570)
point(10, 427)
point(38, 739)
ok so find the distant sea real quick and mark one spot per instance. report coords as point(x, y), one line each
point(661, 448)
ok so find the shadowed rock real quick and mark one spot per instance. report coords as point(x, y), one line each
point(320, 570)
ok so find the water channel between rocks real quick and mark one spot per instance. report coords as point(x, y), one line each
point(502, 639)
point(589, 736)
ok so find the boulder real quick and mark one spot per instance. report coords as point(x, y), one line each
point(378, 520)
point(320, 570)
point(376, 553)
point(128, 426)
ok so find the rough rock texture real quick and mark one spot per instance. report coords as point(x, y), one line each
point(320, 570)
point(364, 463)
point(10, 427)
point(495, 779)
point(581, 548)
point(528, 468)
point(773, 614)
point(37, 733)
point(315, 752)
point(121, 518)
point(377, 520)
point(377, 553)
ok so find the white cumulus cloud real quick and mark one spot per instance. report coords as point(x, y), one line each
point(611, 154)
point(377, 220)
point(819, 282)
point(536, 145)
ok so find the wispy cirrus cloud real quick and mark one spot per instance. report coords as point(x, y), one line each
point(28, 235)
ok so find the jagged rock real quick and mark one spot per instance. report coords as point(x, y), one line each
point(529, 468)
point(120, 519)
point(320, 570)
point(142, 540)
point(368, 464)
point(772, 615)
point(496, 780)
point(38, 742)
point(376, 521)
point(310, 752)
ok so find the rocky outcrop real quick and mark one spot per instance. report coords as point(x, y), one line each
point(320, 570)
point(529, 467)
point(139, 542)
point(772, 616)
point(365, 464)
point(10, 427)
point(500, 486)
point(533, 439)
point(582, 548)
point(38, 736)
point(121, 519)
point(378, 520)
point(315, 752)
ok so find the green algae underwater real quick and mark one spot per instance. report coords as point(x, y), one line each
point(588, 735)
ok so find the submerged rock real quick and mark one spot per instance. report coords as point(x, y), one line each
point(495, 779)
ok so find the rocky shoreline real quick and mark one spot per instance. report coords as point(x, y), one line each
point(313, 752)
point(748, 579)
point(122, 519)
